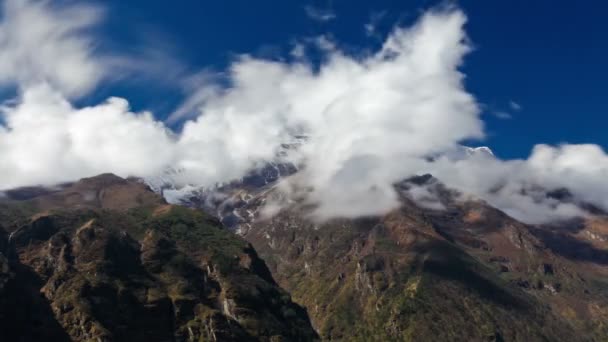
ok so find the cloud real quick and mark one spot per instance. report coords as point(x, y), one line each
point(360, 125)
point(364, 119)
point(55, 43)
point(47, 141)
point(502, 115)
point(319, 14)
point(506, 115)
point(515, 106)
point(371, 28)
point(38, 44)
point(521, 187)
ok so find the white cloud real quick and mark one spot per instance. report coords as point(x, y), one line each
point(38, 43)
point(47, 141)
point(424, 197)
point(319, 14)
point(199, 88)
point(502, 115)
point(369, 122)
point(364, 119)
point(520, 187)
point(515, 106)
point(55, 43)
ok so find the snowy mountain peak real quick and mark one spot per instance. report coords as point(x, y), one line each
point(479, 150)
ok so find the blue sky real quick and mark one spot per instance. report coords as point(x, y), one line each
point(541, 63)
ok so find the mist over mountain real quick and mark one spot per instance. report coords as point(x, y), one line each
point(329, 188)
point(369, 120)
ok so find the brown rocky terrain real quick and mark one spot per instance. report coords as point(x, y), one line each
point(466, 272)
point(106, 259)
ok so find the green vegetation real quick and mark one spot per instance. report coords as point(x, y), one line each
point(146, 271)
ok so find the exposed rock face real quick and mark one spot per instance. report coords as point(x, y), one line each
point(105, 259)
point(466, 272)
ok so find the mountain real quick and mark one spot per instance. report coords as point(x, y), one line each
point(107, 259)
point(224, 200)
point(466, 272)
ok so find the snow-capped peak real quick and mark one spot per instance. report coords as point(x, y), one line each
point(479, 150)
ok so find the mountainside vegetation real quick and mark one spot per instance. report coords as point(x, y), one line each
point(467, 272)
point(106, 259)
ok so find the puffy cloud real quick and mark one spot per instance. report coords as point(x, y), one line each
point(582, 169)
point(359, 124)
point(364, 119)
point(47, 141)
point(522, 188)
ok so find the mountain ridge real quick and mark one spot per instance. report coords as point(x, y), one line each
point(107, 259)
point(504, 257)
point(459, 271)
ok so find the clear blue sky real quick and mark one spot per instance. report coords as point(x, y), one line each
point(548, 57)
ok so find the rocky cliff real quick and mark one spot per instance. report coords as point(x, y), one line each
point(106, 259)
point(462, 272)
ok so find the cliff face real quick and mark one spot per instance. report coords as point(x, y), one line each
point(105, 259)
point(466, 272)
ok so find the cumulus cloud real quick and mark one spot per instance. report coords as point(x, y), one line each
point(371, 28)
point(199, 88)
point(47, 141)
point(522, 188)
point(364, 119)
point(360, 124)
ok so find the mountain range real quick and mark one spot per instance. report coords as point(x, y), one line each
point(459, 270)
point(108, 259)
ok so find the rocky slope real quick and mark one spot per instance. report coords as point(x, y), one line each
point(106, 259)
point(465, 272)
